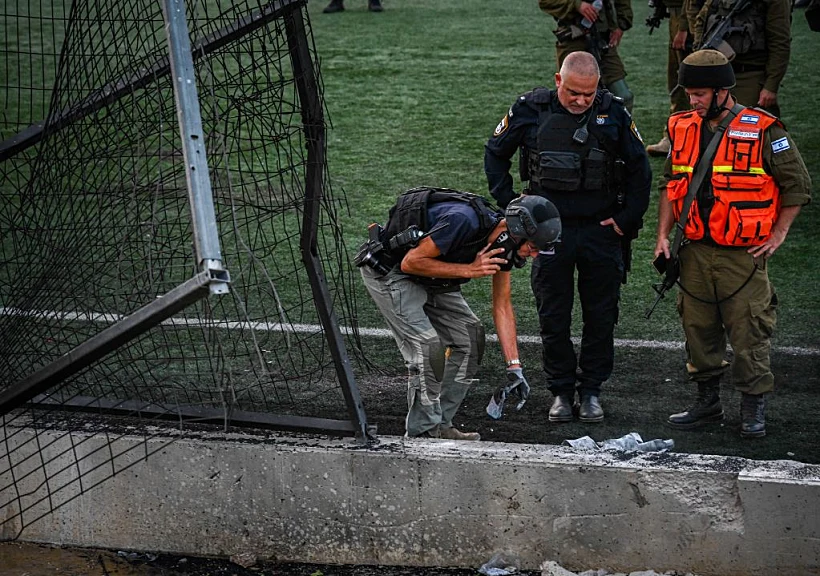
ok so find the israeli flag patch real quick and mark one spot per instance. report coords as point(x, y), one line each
point(749, 119)
point(780, 144)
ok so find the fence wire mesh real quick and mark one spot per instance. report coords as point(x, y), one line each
point(95, 224)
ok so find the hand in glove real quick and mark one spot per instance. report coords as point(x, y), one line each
point(516, 383)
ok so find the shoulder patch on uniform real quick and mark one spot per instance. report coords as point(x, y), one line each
point(749, 119)
point(634, 130)
point(744, 134)
point(780, 145)
point(502, 127)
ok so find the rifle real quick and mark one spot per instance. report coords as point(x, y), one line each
point(714, 38)
point(659, 12)
point(670, 268)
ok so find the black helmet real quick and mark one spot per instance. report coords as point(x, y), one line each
point(706, 69)
point(533, 218)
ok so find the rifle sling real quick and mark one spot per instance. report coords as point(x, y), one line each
point(701, 170)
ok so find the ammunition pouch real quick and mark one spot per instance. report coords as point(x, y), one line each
point(556, 170)
point(595, 169)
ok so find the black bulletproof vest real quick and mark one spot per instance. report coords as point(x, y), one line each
point(411, 209)
point(574, 166)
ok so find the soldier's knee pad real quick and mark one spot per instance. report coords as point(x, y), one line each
point(477, 340)
point(433, 351)
point(622, 91)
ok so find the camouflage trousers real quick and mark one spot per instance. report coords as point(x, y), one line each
point(712, 312)
point(425, 323)
point(677, 96)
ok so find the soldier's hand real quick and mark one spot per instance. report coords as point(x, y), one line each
point(662, 247)
point(587, 10)
point(615, 37)
point(679, 41)
point(767, 98)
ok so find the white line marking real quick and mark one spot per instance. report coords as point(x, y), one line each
point(377, 332)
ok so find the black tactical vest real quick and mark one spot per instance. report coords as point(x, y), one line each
point(411, 209)
point(575, 164)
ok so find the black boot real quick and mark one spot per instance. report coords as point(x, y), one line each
point(753, 416)
point(334, 6)
point(706, 408)
point(374, 5)
point(561, 409)
point(590, 410)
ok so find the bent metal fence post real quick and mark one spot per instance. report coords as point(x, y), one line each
point(117, 234)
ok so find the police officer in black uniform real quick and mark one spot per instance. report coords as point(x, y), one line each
point(580, 149)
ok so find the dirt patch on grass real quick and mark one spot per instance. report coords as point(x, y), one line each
point(24, 559)
point(647, 385)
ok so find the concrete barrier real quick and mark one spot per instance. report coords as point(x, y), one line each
point(419, 502)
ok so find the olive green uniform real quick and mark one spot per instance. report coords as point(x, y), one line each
point(762, 53)
point(678, 22)
point(727, 294)
point(566, 12)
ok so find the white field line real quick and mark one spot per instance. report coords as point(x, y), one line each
point(377, 332)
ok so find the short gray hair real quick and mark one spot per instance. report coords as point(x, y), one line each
point(582, 64)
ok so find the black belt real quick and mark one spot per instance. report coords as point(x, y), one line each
point(740, 68)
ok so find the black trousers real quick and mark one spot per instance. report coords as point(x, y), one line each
point(595, 251)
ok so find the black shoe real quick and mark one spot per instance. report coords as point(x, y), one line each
point(375, 6)
point(334, 6)
point(753, 416)
point(590, 410)
point(706, 409)
point(561, 409)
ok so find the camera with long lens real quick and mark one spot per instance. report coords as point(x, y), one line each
point(376, 255)
point(372, 253)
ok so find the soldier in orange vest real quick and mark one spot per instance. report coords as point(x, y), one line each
point(753, 187)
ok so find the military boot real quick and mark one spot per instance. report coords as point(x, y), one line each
point(706, 409)
point(375, 6)
point(753, 416)
point(661, 148)
point(334, 6)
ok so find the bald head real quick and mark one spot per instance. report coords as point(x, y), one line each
point(580, 64)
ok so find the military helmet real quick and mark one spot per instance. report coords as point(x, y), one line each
point(533, 218)
point(706, 69)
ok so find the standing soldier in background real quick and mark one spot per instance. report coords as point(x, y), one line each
point(596, 28)
point(679, 38)
point(757, 42)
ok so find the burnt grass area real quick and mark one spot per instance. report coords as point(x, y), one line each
point(27, 559)
point(646, 386)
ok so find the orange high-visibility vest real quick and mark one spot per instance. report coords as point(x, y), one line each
point(747, 199)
